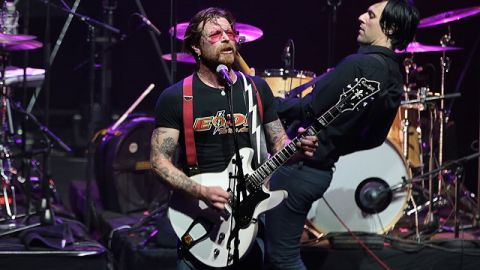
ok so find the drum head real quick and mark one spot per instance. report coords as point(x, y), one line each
point(382, 163)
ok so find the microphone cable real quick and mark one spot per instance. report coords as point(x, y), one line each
point(359, 241)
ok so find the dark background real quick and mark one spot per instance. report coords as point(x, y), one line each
point(136, 63)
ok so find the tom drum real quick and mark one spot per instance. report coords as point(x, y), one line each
point(282, 81)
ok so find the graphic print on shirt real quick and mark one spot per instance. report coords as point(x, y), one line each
point(219, 124)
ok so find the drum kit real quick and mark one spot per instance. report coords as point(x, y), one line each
point(389, 168)
point(12, 77)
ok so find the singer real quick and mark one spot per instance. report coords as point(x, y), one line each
point(193, 114)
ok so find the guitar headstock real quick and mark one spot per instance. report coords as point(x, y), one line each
point(357, 94)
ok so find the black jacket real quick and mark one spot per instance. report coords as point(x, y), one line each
point(352, 130)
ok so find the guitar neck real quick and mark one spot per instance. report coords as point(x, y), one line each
point(349, 100)
point(258, 177)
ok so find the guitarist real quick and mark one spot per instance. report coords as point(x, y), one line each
point(211, 38)
point(386, 26)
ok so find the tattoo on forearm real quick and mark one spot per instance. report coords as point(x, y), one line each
point(163, 148)
point(180, 181)
point(276, 136)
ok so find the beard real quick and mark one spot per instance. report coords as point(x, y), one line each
point(213, 59)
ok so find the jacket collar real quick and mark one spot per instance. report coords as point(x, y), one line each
point(372, 49)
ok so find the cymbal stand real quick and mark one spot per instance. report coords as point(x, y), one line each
point(445, 67)
point(6, 129)
point(431, 218)
point(405, 123)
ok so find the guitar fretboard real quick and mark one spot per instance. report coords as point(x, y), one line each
point(348, 101)
point(258, 177)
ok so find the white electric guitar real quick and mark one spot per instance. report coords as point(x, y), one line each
point(206, 232)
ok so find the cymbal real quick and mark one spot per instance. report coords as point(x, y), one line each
point(246, 32)
point(181, 57)
point(448, 16)
point(416, 47)
point(6, 39)
point(22, 46)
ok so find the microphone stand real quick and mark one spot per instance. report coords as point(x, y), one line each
point(47, 215)
point(332, 24)
point(458, 179)
point(170, 76)
point(240, 177)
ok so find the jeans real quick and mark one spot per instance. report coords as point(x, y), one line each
point(284, 224)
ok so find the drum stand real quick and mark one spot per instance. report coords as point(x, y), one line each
point(6, 129)
point(431, 219)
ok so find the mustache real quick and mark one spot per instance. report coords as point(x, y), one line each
point(228, 46)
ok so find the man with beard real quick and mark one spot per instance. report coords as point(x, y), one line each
point(384, 27)
point(211, 38)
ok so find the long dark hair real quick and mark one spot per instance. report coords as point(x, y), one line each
point(399, 22)
point(193, 33)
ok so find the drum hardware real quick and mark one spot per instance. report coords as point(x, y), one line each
point(425, 99)
point(47, 215)
point(458, 182)
point(8, 172)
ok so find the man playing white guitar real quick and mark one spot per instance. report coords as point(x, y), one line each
point(194, 114)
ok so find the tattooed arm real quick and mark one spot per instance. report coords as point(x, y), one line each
point(276, 136)
point(277, 139)
point(164, 142)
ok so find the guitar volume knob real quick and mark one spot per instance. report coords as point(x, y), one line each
point(221, 236)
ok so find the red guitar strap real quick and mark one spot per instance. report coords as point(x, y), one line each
point(190, 148)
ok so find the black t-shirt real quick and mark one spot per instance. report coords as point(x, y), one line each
point(213, 141)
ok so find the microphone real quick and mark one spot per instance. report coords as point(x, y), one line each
point(287, 55)
point(222, 71)
point(373, 195)
point(149, 24)
point(376, 195)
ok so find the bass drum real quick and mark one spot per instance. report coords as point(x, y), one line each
point(383, 162)
point(282, 81)
point(122, 168)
